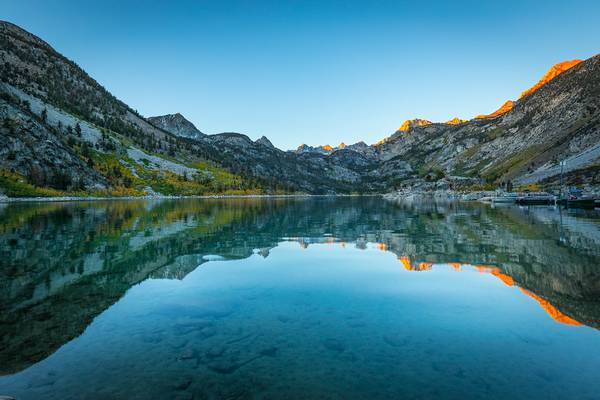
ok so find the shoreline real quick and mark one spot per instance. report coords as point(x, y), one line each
point(59, 199)
point(437, 195)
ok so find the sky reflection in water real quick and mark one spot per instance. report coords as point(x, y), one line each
point(322, 298)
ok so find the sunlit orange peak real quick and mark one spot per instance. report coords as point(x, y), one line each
point(456, 121)
point(411, 123)
point(327, 147)
point(382, 141)
point(342, 145)
point(551, 74)
point(504, 108)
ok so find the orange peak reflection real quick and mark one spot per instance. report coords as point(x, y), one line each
point(551, 310)
point(506, 279)
point(424, 266)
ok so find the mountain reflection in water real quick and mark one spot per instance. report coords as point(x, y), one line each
point(62, 265)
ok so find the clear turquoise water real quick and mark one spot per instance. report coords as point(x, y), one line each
point(348, 298)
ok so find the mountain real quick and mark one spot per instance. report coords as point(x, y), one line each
point(456, 121)
point(505, 107)
point(552, 73)
point(557, 121)
point(265, 142)
point(177, 125)
point(411, 123)
point(61, 132)
point(323, 149)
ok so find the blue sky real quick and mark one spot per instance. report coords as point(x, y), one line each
point(313, 72)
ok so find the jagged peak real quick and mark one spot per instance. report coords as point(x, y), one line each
point(552, 73)
point(265, 142)
point(455, 121)
point(381, 141)
point(176, 124)
point(411, 123)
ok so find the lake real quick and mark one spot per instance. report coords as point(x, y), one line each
point(298, 298)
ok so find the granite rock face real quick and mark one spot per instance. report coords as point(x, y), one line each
point(177, 125)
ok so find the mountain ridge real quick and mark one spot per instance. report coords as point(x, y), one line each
point(94, 142)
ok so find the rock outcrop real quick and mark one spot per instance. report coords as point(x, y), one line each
point(177, 125)
point(412, 123)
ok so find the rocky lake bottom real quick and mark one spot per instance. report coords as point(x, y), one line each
point(328, 298)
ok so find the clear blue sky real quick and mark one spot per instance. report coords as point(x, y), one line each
point(313, 72)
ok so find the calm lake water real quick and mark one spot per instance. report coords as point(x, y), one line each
point(324, 298)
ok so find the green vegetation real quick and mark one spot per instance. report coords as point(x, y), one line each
point(532, 187)
point(496, 133)
point(512, 164)
point(16, 185)
point(479, 187)
point(431, 173)
point(209, 179)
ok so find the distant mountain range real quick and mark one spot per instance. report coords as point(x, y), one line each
point(63, 133)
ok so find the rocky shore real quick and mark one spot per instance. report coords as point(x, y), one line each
point(5, 199)
point(410, 195)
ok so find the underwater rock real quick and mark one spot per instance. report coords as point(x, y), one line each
point(334, 345)
point(396, 340)
point(269, 352)
point(42, 381)
point(241, 338)
point(182, 383)
point(215, 351)
point(356, 324)
point(183, 396)
point(224, 366)
point(152, 338)
point(283, 318)
point(353, 315)
point(228, 366)
point(178, 343)
point(349, 357)
point(187, 354)
point(187, 327)
point(208, 332)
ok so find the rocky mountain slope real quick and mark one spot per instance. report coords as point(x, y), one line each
point(177, 125)
point(62, 132)
point(558, 120)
